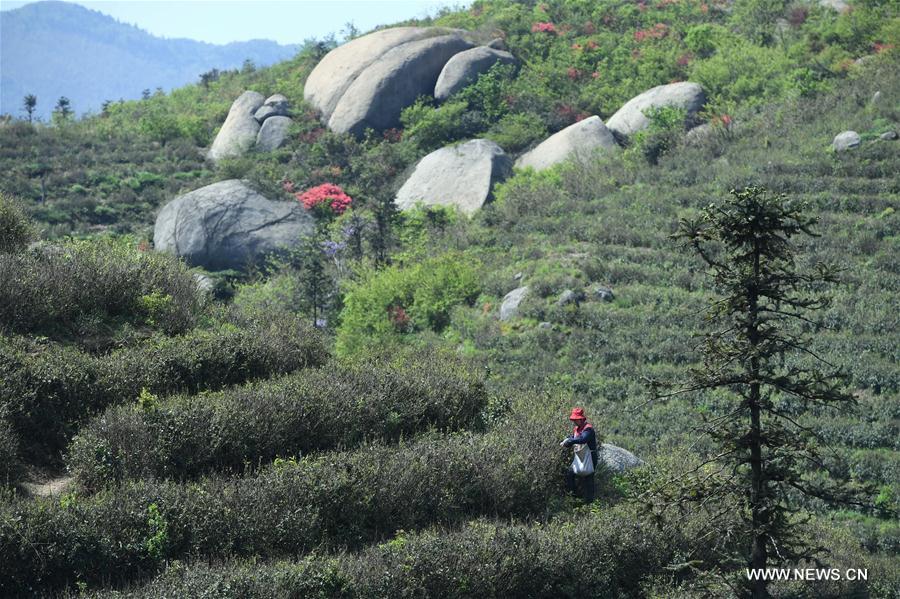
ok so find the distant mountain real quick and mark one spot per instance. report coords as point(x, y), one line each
point(52, 49)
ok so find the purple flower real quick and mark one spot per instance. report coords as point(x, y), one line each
point(331, 248)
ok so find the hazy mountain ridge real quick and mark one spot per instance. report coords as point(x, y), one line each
point(42, 43)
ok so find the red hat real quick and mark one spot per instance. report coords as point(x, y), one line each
point(577, 414)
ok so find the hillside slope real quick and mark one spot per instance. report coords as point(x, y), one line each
point(407, 444)
point(53, 49)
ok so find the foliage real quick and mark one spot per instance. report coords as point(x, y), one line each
point(16, 230)
point(425, 291)
point(47, 390)
point(666, 128)
point(337, 499)
point(327, 196)
point(88, 289)
point(747, 246)
point(338, 404)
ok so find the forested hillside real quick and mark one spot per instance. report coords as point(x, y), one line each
point(377, 411)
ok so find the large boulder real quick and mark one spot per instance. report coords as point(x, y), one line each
point(460, 175)
point(631, 118)
point(510, 305)
point(276, 105)
point(340, 67)
point(584, 137)
point(848, 140)
point(273, 133)
point(238, 133)
point(617, 459)
point(463, 69)
point(393, 82)
point(228, 225)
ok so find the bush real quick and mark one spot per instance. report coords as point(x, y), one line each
point(84, 289)
point(336, 405)
point(15, 228)
point(385, 305)
point(482, 559)
point(340, 499)
point(9, 455)
point(47, 389)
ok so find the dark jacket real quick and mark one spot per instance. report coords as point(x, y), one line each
point(584, 435)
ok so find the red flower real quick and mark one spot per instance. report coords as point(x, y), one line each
point(595, 75)
point(327, 194)
point(543, 27)
point(398, 317)
point(685, 59)
point(573, 73)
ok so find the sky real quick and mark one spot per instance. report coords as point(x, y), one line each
point(284, 21)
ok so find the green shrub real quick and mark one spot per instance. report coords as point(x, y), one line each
point(517, 131)
point(339, 499)
point(433, 127)
point(48, 389)
point(85, 289)
point(383, 306)
point(16, 229)
point(9, 455)
point(482, 559)
point(338, 404)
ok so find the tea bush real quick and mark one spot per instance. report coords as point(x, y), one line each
point(16, 230)
point(88, 289)
point(47, 389)
point(339, 499)
point(338, 404)
point(482, 559)
point(10, 466)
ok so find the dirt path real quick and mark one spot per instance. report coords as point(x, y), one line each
point(53, 487)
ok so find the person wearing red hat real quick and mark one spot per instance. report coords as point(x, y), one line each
point(582, 434)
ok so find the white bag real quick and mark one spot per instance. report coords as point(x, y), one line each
point(582, 463)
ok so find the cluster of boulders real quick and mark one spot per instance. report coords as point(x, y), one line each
point(253, 121)
point(850, 140)
point(463, 175)
point(509, 307)
point(367, 82)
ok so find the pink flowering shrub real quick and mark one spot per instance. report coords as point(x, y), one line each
point(658, 31)
point(543, 28)
point(326, 195)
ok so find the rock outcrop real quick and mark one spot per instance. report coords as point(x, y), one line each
point(510, 306)
point(238, 133)
point(393, 82)
point(273, 133)
point(252, 122)
point(848, 140)
point(460, 176)
point(275, 105)
point(617, 459)
point(228, 225)
point(584, 137)
point(463, 69)
point(631, 118)
point(340, 67)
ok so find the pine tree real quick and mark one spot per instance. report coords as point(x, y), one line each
point(29, 102)
point(63, 109)
point(314, 279)
point(760, 354)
